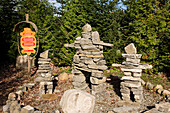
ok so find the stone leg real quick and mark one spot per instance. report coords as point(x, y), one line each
point(125, 92)
point(79, 80)
point(42, 88)
point(49, 87)
point(99, 88)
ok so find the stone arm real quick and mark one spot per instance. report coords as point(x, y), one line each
point(69, 45)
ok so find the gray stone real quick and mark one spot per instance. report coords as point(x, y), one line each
point(101, 62)
point(86, 28)
point(131, 70)
point(6, 108)
point(163, 107)
point(76, 101)
point(27, 109)
point(97, 75)
point(154, 110)
point(90, 61)
point(76, 59)
point(96, 52)
point(125, 110)
point(44, 54)
point(38, 112)
point(69, 45)
point(132, 56)
point(102, 67)
point(137, 61)
point(79, 78)
point(86, 35)
point(130, 49)
point(95, 37)
point(85, 41)
point(88, 47)
point(95, 80)
point(42, 59)
point(92, 66)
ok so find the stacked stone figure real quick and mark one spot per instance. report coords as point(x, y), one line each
point(88, 62)
point(44, 72)
point(131, 88)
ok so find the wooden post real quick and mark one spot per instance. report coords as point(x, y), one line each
point(29, 64)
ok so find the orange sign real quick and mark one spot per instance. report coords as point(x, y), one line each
point(28, 41)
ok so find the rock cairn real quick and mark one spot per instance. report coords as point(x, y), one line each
point(131, 88)
point(44, 72)
point(88, 62)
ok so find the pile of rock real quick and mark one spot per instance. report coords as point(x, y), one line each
point(88, 62)
point(44, 71)
point(131, 87)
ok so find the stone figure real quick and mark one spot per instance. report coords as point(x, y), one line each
point(88, 62)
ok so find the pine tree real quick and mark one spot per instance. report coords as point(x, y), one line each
point(148, 27)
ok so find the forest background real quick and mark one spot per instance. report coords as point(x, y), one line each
point(144, 23)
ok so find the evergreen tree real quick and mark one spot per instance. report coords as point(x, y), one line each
point(147, 26)
point(7, 21)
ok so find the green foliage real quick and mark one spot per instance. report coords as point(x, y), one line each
point(7, 21)
point(147, 25)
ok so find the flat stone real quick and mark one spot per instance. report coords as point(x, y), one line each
point(132, 85)
point(96, 52)
point(154, 110)
point(127, 73)
point(149, 85)
point(69, 45)
point(85, 41)
point(49, 97)
point(137, 61)
point(88, 47)
point(131, 70)
point(44, 54)
point(102, 67)
point(125, 110)
point(97, 75)
point(77, 101)
point(137, 74)
point(130, 49)
point(132, 56)
point(103, 44)
point(86, 28)
point(101, 62)
point(42, 71)
point(130, 78)
point(43, 59)
point(89, 61)
point(95, 80)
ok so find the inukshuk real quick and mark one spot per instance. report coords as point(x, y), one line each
point(44, 72)
point(131, 88)
point(88, 62)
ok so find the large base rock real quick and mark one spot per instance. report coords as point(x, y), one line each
point(77, 101)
